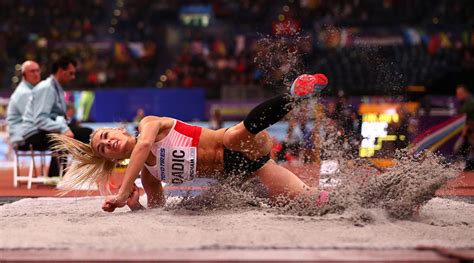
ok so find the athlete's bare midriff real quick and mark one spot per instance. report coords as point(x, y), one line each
point(210, 152)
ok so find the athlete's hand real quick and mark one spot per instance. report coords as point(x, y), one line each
point(111, 202)
point(108, 207)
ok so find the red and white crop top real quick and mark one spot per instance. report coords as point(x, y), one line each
point(176, 154)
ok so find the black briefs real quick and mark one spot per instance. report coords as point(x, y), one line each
point(236, 163)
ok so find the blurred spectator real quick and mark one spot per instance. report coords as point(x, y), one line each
point(354, 136)
point(71, 116)
point(401, 129)
point(465, 144)
point(215, 121)
point(290, 146)
point(30, 72)
point(464, 95)
point(138, 117)
point(356, 124)
point(343, 114)
point(413, 125)
point(307, 144)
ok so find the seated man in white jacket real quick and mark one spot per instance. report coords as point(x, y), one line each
point(30, 71)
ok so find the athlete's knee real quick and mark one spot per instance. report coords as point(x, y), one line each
point(264, 140)
point(236, 135)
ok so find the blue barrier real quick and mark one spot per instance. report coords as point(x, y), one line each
point(122, 104)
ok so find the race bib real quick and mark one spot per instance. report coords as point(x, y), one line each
point(177, 164)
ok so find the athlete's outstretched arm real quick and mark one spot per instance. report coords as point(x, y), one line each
point(149, 128)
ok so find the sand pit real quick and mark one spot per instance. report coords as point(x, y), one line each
point(79, 224)
point(377, 215)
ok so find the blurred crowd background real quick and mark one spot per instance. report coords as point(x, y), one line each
point(252, 49)
point(213, 43)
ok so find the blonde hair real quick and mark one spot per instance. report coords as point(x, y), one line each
point(87, 167)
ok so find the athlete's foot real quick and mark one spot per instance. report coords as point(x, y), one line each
point(323, 198)
point(306, 85)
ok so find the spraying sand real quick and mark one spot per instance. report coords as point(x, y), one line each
point(367, 209)
point(365, 212)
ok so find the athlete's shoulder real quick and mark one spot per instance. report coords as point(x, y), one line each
point(164, 122)
point(152, 118)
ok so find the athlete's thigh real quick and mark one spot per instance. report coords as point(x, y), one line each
point(238, 138)
point(281, 181)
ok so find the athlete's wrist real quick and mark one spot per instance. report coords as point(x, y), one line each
point(119, 199)
point(123, 193)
